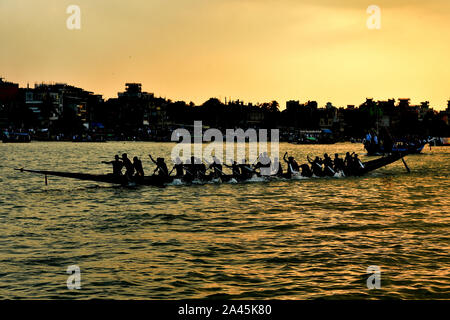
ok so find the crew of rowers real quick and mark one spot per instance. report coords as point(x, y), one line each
point(196, 169)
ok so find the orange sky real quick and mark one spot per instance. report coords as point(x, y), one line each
point(254, 50)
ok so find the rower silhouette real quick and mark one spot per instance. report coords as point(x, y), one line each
point(264, 164)
point(236, 171)
point(306, 170)
point(191, 169)
point(128, 166)
point(348, 164)
point(217, 167)
point(292, 165)
point(328, 164)
point(279, 171)
point(316, 166)
point(357, 163)
point(138, 167)
point(161, 167)
point(338, 163)
point(178, 167)
point(116, 164)
point(246, 171)
point(201, 169)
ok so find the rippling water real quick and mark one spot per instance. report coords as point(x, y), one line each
point(303, 239)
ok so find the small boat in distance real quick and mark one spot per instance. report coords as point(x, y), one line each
point(446, 141)
point(323, 136)
point(404, 147)
point(16, 137)
point(440, 142)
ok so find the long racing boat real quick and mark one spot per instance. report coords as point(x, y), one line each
point(161, 181)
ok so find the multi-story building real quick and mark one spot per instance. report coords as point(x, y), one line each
point(9, 93)
point(136, 108)
point(51, 102)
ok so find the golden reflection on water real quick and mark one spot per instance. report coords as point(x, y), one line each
point(282, 239)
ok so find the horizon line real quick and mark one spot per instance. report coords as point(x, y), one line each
point(106, 97)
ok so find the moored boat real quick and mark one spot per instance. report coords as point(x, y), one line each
point(16, 137)
point(399, 147)
point(440, 142)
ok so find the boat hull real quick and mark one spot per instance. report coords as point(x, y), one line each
point(16, 138)
point(378, 150)
point(160, 181)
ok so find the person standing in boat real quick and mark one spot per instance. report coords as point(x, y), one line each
point(161, 167)
point(375, 140)
point(128, 166)
point(116, 164)
point(368, 138)
point(368, 141)
point(388, 142)
point(138, 167)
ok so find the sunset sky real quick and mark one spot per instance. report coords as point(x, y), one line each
point(253, 50)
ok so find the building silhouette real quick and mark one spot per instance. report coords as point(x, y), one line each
point(65, 111)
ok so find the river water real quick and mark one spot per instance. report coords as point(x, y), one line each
point(307, 239)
